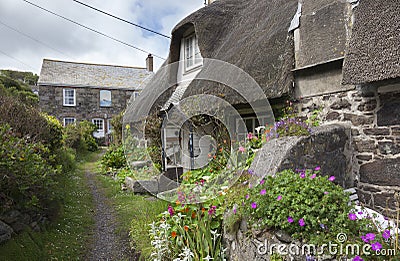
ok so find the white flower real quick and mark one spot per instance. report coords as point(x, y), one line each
point(259, 128)
point(208, 258)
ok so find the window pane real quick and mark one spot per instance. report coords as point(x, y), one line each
point(105, 98)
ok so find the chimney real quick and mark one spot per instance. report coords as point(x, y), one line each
point(149, 63)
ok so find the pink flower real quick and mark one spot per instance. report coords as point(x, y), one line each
point(376, 246)
point(290, 219)
point(357, 258)
point(331, 178)
point(249, 136)
point(212, 210)
point(279, 198)
point(242, 149)
point(234, 211)
point(262, 181)
point(263, 192)
point(313, 176)
point(352, 216)
point(386, 234)
point(317, 168)
point(247, 196)
point(302, 175)
point(301, 222)
point(326, 192)
point(254, 205)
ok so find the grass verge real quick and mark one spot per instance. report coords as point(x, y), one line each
point(134, 214)
point(65, 238)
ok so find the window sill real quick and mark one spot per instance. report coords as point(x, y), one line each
point(192, 69)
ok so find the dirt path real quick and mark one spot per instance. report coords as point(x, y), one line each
point(106, 244)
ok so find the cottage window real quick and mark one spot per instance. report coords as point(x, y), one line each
point(69, 97)
point(99, 124)
point(68, 121)
point(135, 95)
point(105, 98)
point(192, 55)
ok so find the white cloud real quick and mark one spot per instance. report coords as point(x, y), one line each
point(74, 43)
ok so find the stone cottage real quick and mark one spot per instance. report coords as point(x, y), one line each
point(334, 58)
point(74, 92)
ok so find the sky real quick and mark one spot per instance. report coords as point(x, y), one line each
point(28, 34)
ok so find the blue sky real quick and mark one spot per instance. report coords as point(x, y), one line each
point(42, 35)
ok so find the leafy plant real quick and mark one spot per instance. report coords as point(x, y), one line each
point(114, 158)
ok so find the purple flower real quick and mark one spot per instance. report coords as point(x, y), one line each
point(386, 234)
point(263, 192)
point(290, 219)
point(279, 198)
point(326, 192)
point(370, 236)
point(302, 175)
point(254, 205)
point(247, 196)
point(331, 178)
point(317, 168)
point(262, 181)
point(313, 176)
point(234, 210)
point(301, 222)
point(360, 212)
point(376, 246)
point(250, 171)
point(212, 210)
point(171, 211)
point(357, 258)
point(352, 216)
point(322, 226)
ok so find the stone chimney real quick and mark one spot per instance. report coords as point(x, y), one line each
point(149, 63)
point(210, 2)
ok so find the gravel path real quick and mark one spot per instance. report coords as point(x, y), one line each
point(106, 244)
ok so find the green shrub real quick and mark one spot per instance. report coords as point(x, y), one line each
point(80, 137)
point(114, 158)
point(27, 179)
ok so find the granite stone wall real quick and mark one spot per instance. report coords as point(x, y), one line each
point(374, 118)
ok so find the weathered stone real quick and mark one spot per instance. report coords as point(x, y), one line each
point(142, 186)
point(166, 184)
point(358, 120)
point(395, 131)
point(377, 131)
point(364, 157)
point(368, 105)
point(5, 232)
point(355, 132)
point(10, 216)
point(388, 148)
point(365, 146)
point(18, 226)
point(385, 200)
point(384, 172)
point(332, 116)
point(283, 236)
point(327, 147)
point(389, 113)
point(341, 104)
point(365, 198)
point(140, 164)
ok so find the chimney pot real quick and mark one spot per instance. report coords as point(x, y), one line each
point(149, 63)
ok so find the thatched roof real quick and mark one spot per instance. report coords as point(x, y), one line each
point(373, 53)
point(252, 35)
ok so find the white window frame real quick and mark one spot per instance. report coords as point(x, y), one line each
point(190, 50)
point(65, 97)
point(102, 121)
point(68, 119)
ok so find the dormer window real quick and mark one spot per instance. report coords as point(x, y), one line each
point(193, 57)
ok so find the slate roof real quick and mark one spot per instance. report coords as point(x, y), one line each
point(373, 53)
point(64, 73)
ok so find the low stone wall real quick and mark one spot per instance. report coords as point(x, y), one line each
point(374, 118)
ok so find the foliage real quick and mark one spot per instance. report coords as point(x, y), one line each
point(116, 123)
point(67, 237)
point(24, 77)
point(114, 158)
point(28, 180)
point(288, 127)
point(16, 88)
point(188, 232)
point(309, 207)
point(80, 136)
